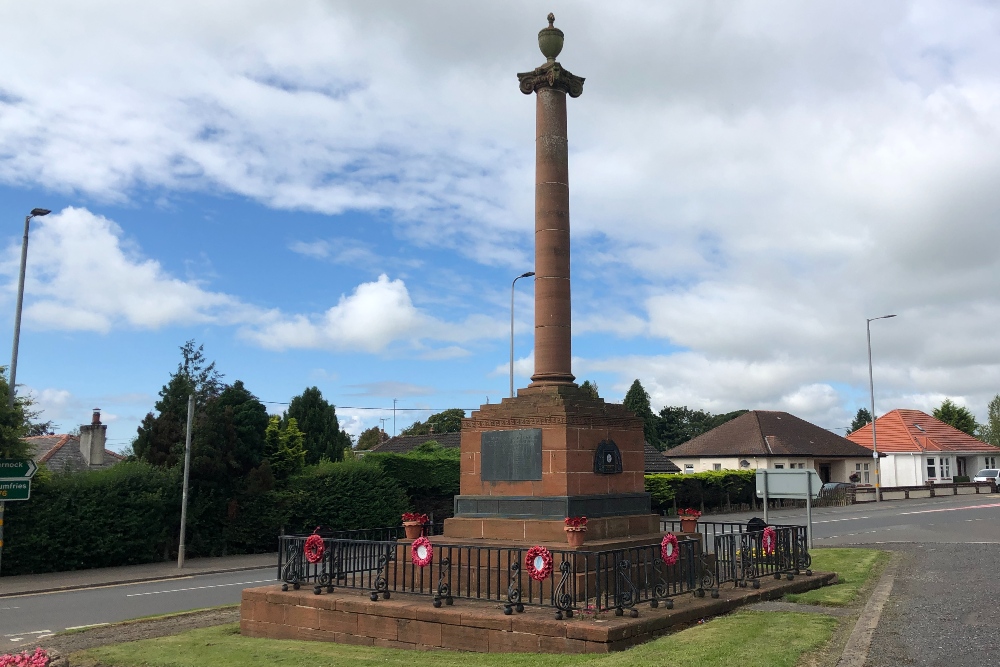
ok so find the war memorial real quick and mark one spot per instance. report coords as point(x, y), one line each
point(553, 546)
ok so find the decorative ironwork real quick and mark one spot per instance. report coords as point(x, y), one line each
point(514, 588)
point(563, 599)
point(625, 591)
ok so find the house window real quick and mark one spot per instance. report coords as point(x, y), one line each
point(991, 462)
point(688, 468)
point(931, 469)
point(867, 474)
point(945, 466)
point(779, 466)
point(716, 466)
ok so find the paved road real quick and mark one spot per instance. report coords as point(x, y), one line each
point(25, 619)
point(944, 608)
point(967, 519)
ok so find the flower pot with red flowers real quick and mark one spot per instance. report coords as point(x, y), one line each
point(413, 524)
point(576, 530)
point(689, 519)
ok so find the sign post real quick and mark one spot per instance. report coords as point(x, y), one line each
point(15, 484)
point(795, 484)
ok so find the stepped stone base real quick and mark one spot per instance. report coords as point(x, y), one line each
point(408, 621)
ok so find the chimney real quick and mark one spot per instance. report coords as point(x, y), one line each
point(92, 439)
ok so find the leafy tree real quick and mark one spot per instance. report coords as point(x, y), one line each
point(957, 416)
point(637, 400)
point(160, 437)
point(449, 421)
point(370, 437)
point(590, 389)
point(318, 421)
point(863, 417)
point(990, 431)
point(285, 447)
point(13, 423)
point(229, 438)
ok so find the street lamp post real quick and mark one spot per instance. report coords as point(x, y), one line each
point(871, 387)
point(35, 213)
point(527, 274)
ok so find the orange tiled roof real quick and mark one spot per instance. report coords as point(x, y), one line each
point(916, 431)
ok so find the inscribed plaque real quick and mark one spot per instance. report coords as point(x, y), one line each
point(511, 456)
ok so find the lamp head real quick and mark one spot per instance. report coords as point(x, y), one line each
point(37, 212)
point(527, 275)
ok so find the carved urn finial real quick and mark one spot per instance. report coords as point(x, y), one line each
point(550, 40)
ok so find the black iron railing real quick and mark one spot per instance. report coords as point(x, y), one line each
point(578, 580)
point(709, 529)
point(746, 558)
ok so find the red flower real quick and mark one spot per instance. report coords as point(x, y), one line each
point(415, 516)
point(576, 521)
point(689, 513)
point(538, 563)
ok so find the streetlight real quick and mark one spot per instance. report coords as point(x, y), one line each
point(35, 213)
point(871, 387)
point(527, 274)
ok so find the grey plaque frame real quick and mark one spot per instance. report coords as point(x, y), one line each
point(511, 456)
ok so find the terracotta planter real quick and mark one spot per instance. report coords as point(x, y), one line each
point(575, 536)
point(689, 525)
point(414, 529)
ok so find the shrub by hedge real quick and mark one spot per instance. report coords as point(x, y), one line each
point(711, 490)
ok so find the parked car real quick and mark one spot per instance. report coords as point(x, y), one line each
point(834, 488)
point(987, 475)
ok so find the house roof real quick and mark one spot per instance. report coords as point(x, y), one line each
point(402, 444)
point(916, 431)
point(769, 433)
point(61, 453)
point(657, 462)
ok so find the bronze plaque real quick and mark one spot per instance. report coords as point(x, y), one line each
point(511, 456)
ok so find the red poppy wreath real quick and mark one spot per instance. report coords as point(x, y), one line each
point(538, 563)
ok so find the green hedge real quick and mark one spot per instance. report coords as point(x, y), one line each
point(430, 476)
point(130, 514)
point(706, 491)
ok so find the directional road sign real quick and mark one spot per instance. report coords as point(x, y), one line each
point(15, 489)
point(17, 468)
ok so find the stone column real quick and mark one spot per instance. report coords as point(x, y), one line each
point(553, 334)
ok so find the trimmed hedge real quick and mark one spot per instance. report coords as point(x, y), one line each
point(711, 490)
point(130, 514)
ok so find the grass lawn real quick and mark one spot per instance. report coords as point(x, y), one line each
point(855, 568)
point(749, 639)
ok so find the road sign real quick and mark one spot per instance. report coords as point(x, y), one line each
point(788, 483)
point(15, 489)
point(17, 468)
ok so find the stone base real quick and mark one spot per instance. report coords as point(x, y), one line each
point(409, 621)
point(641, 528)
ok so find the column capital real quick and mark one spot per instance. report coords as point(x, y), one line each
point(551, 75)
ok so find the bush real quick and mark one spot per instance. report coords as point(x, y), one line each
point(430, 475)
point(124, 515)
point(711, 490)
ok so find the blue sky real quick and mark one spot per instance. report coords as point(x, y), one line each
point(339, 195)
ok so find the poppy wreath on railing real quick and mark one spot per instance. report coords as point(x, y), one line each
point(314, 548)
point(668, 549)
point(769, 540)
point(421, 552)
point(538, 563)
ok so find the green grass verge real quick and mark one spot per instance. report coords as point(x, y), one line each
point(750, 639)
point(151, 617)
point(855, 568)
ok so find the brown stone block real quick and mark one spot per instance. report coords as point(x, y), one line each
point(587, 631)
point(531, 623)
point(544, 530)
point(555, 461)
point(338, 621)
point(250, 628)
point(302, 617)
point(358, 605)
point(248, 610)
point(276, 596)
point(419, 632)
point(256, 594)
point(554, 485)
point(354, 640)
point(489, 620)
point(557, 645)
point(465, 638)
point(379, 627)
point(460, 527)
point(443, 615)
point(503, 529)
point(271, 613)
point(389, 643)
point(312, 634)
point(512, 642)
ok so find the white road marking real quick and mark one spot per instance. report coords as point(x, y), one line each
point(8, 608)
point(198, 588)
point(81, 627)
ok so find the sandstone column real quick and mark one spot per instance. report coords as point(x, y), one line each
point(553, 336)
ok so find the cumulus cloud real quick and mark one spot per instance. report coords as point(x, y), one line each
point(767, 178)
